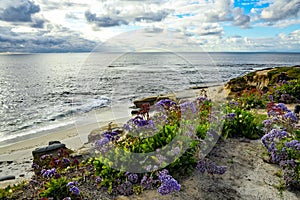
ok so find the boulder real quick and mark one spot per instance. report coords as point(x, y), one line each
point(6, 178)
point(50, 149)
point(153, 99)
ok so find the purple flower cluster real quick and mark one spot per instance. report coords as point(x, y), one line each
point(48, 173)
point(230, 116)
point(294, 144)
point(188, 108)
point(168, 183)
point(133, 178)
point(100, 143)
point(125, 188)
point(277, 109)
point(268, 139)
point(148, 182)
point(166, 103)
point(210, 167)
point(72, 187)
point(291, 116)
point(111, 135)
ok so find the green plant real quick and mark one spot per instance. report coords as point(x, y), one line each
point(240, 122)
point(56, 189)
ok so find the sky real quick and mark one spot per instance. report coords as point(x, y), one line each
point(183, 25)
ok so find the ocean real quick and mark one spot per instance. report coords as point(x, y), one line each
point(42, 92)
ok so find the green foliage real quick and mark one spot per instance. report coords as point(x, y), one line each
point(252, 99)
point(287, 92)
point(245, 123)
point(56, 188)
point(290, 72)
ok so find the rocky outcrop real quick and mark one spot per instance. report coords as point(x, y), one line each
point(262, 79)
point(153, 99)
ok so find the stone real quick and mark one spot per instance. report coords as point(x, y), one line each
point(53, 148)
point(297, 109)
point(54, 142)
point(6, 178)
point(153, 99)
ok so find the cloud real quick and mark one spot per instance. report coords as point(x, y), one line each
point(281, 9)
point(18, 10)
point(153, 16)
point(55, 39)
point(103, 21)
point(240, 19)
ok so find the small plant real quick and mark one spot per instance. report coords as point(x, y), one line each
point(240, 122)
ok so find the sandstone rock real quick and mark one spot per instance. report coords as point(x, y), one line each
point(153, 99)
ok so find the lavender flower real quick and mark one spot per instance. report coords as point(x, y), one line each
point(210, 167)
point(230, 116)
point(71, 184)
point(125, 188)
point(100, 143)
point(166, 103)
point(67, 198)
point(271, 98)
point(294, 144)
point(291, 116)
point(66, 160)
point(133, 178)
point(201, 166)
point(148, 182)
point(74, 190)
point(35, 166)
point(168, 183)
point(110, 135)
point(188, 107)
point(98, 180)
point(49, 173)
point(175, 151)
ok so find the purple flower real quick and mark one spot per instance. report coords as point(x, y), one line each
point(291, 116)
point(166, 103)
point(271, 98)
point(210, 167)
point(201, 166)
point(49, 173)
point(294, 144)
point(188, 106)
point(125, 188)
point(283, 107)
point(71, 184)
point(230, 116)
point(66, 160)
point(67, 198)
point(148, 183)
point(168, 183)
point(74, 190)
point(35, 166)
point(100, 143)
point(175, 151)
point(133, 178)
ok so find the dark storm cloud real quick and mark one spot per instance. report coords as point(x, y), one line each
point(104, 21)
point(18, 11)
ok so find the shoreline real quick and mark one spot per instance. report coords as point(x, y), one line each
point(16, 158)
